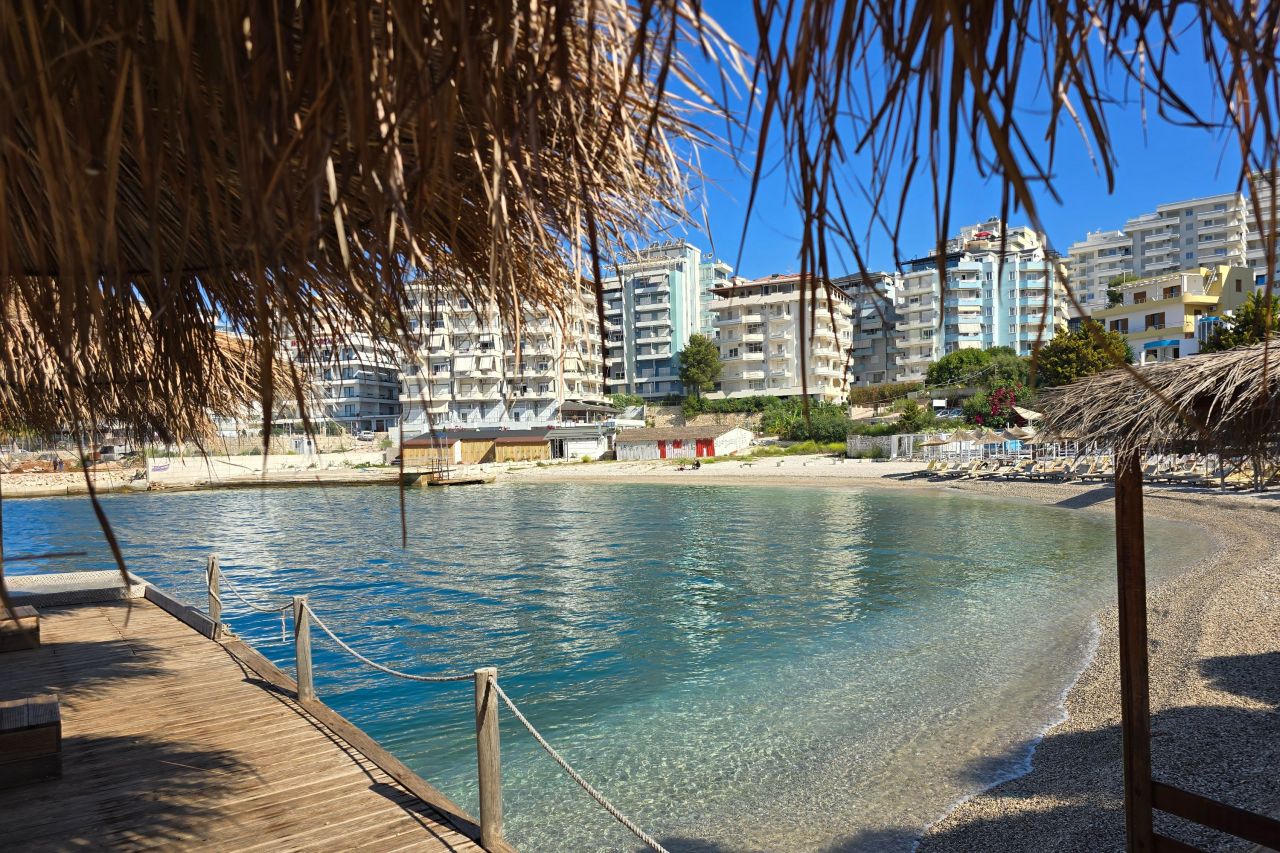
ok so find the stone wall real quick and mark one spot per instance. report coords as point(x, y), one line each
point(673, 416)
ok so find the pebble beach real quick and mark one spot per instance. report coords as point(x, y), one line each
point(1215, 664)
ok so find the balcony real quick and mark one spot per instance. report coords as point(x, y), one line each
point(753, 356)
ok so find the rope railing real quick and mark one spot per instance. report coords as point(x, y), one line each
point(486, 711)
point(388, 670)
point(635, 830)
point(270, 608)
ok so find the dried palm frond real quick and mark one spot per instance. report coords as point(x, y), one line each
point(284, 168)
point(874, 100)
point(1226, 401)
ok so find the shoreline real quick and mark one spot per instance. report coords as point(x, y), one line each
point(1214, 669)
point(1215, 664)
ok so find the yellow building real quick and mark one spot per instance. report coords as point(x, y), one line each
point(1158, 315)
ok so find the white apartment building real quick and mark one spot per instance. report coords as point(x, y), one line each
point(1269, 208)
point(873, 353)
point(355, 383)
point(1198, 232)
point(657, 298)
point(464, 368)
point(989, 300)
point(759, 332)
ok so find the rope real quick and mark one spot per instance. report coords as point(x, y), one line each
point(388, 670)
point(649, 840)
point(279, 608)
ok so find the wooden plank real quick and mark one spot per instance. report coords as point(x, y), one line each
point(1257, 828)
point(176, 741)
point(1135, 709)
point(488, 757)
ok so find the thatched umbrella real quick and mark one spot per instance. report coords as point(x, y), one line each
point(167, 169)
point(1226, 402)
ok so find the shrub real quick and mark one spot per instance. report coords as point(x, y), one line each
point(869, 394)
point(586, 458)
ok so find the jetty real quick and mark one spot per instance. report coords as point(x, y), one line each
point(171, 737)
point(133, 720)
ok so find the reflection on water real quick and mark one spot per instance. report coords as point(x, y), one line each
point(758, 668)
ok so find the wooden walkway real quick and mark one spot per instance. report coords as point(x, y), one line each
point(171, 739)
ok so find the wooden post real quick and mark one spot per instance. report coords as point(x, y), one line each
point(213, 576)
point(489, 760)
point(302, 648)
point(1135, 710)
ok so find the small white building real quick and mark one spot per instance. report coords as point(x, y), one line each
point(575, 442)
point(676, 442)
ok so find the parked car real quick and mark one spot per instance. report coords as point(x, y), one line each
point(366, 435)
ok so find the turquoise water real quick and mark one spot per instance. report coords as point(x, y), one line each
point(738, 668)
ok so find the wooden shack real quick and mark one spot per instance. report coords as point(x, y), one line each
point(473, 447)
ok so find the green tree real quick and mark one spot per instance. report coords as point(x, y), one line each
point(1257, 316)
point(699, 364)
point(1006, 368)
point(957, 367)
point(915, 418)
point(623, 401)
point(1114, 296)
point(1085, 351)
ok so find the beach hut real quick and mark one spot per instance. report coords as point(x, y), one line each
point(471, 447)
point(676, 442)
point(575, 442)
point(1225, 403)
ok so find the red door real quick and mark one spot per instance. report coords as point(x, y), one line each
point(662, 450)
point(706, 447)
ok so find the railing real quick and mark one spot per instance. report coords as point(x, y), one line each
point(488, 692)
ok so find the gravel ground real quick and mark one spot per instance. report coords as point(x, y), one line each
point(1215, 695)
point(1215, 668)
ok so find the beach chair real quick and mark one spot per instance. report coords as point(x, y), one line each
point(1021, 469)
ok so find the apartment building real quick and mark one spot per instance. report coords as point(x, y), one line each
point(873, 352)
point(464, 368)
point(758, 326)
point(355, 383)
point(1181, 235)
point(1268, 206)
point(989, 298)
point(1159, 315)
point(657, 298)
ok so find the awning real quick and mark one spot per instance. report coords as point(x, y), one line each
point(463, 363)
point(1158, 344)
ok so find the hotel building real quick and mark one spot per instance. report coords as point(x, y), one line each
point(758, 326)
point(1181, 235)
point(989, 299)
point(461, 367)
point(1159, 316)
point(657, 298)
point(1269, 208)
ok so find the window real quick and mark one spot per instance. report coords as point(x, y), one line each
point(733, 352)
point(1139, 297)
point(755, 347)
point(1155, 321)
point(1190, 256)
point(1172, 292)
point(1121, 326)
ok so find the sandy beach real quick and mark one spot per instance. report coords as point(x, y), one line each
point(1215, 665)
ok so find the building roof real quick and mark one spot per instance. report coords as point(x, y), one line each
point(602, 408)
point(672, 433)
point(584, 431)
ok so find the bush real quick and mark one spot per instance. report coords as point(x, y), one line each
point(586, 458)
point(868, 394)
point(624, 401)
point(384, 444)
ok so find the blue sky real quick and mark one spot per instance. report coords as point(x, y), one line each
point(1167, 163)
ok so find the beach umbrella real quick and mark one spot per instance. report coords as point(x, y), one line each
point(962, 435)
point(935, 441)
point(990, 436)
point(1027, 414)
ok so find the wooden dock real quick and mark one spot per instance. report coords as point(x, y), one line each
point(172, 739)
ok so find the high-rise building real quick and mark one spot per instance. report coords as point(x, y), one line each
point(355, 383)
point(873, 353)
point(759, 325)
point(1268, 205)
point(657, 298)
point(990, 299)
point(1198, 232)
point(465, 368)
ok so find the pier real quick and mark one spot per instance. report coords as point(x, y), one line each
point(171, 738)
